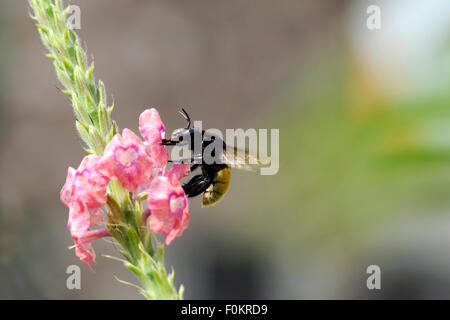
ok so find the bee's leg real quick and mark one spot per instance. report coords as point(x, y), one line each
point(197, 185)
point(191, 160)
point(169, 142)
point(181, 160)
point(195, 166)
point(197, 160)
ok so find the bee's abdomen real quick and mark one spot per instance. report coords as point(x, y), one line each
point(218, 188)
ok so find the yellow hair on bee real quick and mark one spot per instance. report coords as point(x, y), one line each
point(218, 188)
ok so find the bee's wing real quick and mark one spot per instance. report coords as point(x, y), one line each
point(241, 159)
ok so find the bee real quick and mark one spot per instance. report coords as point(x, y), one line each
point(214, 180)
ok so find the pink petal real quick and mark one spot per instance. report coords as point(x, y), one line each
point(153, 130)
point(126, 159)
point(168, 205)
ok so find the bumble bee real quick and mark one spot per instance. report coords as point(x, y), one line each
point(215, 178)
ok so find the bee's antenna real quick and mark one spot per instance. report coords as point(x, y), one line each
point(186, 116)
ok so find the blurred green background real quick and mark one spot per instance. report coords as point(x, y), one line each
point(364, 119)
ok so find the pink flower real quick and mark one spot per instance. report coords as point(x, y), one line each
point(180, 170)
point(140, 167)
point(153, 131)
point(85, 193)
point(80, 220)
point(168, 204)
point(83, 245)
point(85, 252)
point(126, 159)
point(85, 184)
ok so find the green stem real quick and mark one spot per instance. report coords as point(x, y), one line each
point(96, 128)
point(93, 117)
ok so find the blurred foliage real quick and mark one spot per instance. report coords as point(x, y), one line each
point(351, 159)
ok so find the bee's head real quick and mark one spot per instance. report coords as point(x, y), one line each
point(183, 134)
point(180, 134)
